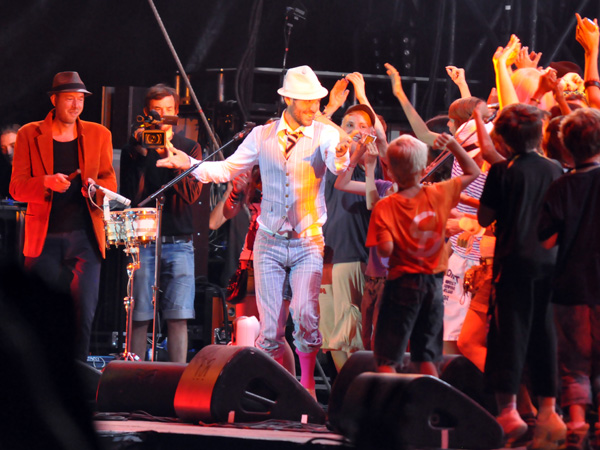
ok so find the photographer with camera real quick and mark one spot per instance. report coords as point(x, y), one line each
point(140, 177)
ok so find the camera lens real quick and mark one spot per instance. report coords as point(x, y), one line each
point(153, 139)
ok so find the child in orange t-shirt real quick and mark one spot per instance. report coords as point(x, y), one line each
point(409, 228)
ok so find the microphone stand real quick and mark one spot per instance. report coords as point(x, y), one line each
point(160, 200)
point(186, 79)
point(291, 14)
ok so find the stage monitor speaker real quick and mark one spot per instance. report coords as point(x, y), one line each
point(359, 362)
point(90, 378)
point(455, 370)
point(222, 378)
point(139, 386)
point(382, 411)
point(462, 374)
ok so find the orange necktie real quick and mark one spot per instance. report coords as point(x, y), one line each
point(292, 139)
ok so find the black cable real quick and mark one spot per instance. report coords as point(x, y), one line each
point(245, 73)
point(435, 61)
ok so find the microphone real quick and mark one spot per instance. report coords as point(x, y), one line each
point(106, 209)
point(242, 134)
point(114, 196)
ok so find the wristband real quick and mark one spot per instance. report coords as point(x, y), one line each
point(589, 83)
point(327, 116)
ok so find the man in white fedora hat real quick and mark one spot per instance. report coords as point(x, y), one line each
point(294, 154)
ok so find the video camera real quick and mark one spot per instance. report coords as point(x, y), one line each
point(152, 136)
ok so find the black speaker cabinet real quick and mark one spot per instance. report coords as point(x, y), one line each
point(90, 378)
point(398, 410)
point(455, 370)
point(135, 385)
point(221, 379)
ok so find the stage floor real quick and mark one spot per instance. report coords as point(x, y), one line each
point(276, 435)
point(149, 435)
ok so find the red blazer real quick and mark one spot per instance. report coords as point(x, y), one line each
point(34, 158)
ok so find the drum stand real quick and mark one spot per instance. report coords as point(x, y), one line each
point(133, 251)
point(116, 234)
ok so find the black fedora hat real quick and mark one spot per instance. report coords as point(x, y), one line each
point(68, 82)
point(564, 67)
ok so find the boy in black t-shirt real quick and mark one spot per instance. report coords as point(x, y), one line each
point(569, 219)
point(521, 328)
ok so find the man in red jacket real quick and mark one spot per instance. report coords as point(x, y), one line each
point(55, 161)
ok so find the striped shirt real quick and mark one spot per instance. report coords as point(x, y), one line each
point(466, 135)
point(473, 190)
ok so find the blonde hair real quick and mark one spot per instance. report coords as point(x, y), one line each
point(407, 157)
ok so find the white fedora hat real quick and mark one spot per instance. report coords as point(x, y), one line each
point(301, 83)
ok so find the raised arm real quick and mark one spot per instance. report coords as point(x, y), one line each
point(358, 82)
point(371, 191)
point(337, 97)
point(588, 36)
point(502, 59)
point(417, 124)
point(488, 149)
point(468, 166)
point(457, 75)
point(549, 82)
point(368, 188)
point(526, 59)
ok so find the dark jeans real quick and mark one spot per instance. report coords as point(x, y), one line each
point(412, 308)
point(578, 331)
point(71, 262)
point(522, 333)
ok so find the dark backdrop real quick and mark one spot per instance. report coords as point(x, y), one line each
point(119, 43)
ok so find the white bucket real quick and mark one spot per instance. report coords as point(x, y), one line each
point(246, 331)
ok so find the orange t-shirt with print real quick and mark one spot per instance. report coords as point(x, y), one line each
point(416, 226)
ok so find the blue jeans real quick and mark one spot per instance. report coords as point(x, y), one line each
point(71, 262)
point(177, 282)
point(273, 256)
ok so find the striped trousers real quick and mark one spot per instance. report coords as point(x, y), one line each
point(274, 257)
